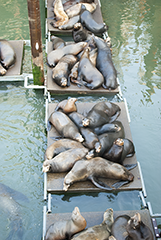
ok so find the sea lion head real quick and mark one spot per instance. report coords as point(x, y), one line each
point(46, 166)
point(70, 106)
point(122, 172)
point(85, 122)
point(63, 82)
point(2, 71)
point(98, 147)
point(119, 142)
point(108, 218)
point(90, 154)
point(79, 137)
point(117, 128)
point(78, 219)
point(134, 222)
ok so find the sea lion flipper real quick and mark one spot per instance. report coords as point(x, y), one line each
point(119, 184)
point(130, 166)
point(99, 183)
point(48, 126)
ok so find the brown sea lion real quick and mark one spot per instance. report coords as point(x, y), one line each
point(88, 73)
point(75, 9)
point(61, 16)
point(119, 227)
point(101, 231)
point(105, 64)
point(67, 105)
point(137, 230)
point(70, 24)
point(64, 161)
point(65, 127)
point(55, 55)
point(90, 138)
point(59, 146)
point(57, 42)
point(94, 168)
point(87, 20)
point(101, 113)
point(7, 54)
point(65, 229)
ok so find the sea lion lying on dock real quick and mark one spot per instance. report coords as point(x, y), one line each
point(67, 105)
point(61, 16)
point(76, 9)
point(65, 229)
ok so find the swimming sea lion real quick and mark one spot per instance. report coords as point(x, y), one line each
point(65, 127)
point(60, 14)
point(55, 55)
point(90, 138)
point(75, 9)
point(87, 20)
point(77, 118)
point(88, 73)
point(108, 127)
point(101, 231)
point(70, 23)
point(57, 42)
point(65, 229)
point(7, 54)
point(64, 161)
point(94, 168)
point(101, 113)
point(67, 105)
point(59, 146)
point(105, 64)
point(119, 227)
point(137, 230)
point(61, 71)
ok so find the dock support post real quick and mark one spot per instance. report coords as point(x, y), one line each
point(36, 41)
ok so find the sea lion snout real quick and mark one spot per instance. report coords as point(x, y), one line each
point(131, 177)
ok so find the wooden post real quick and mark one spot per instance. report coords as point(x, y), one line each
point(36, 41)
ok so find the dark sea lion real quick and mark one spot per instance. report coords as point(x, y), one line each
point(101, 231)
point(102, 113)
point(94, 168)
point(65, 229)
point(59, 146)
point(65, 127)
point(119, 227)
point(2, 70)
point(88, 73)
point(67, 105)
point(79, 33)
point(77, 118)
point(57, 42)
point(76, 9)
point(105, 64)
point(87, 20)
point(61, 16)
point(70, 23)
point(90, 138)
point(7, 54)
point(64, 161)
point(61, 71)
point(55, 55)
point(137, 230)
point(109, 127)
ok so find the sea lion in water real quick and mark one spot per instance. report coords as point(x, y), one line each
point(94, 168)
point(137, 230)
point(67, 105)
point(105, 64)
point(61, 71)
point(64, 161)
point(65, 127)
point(87, 20)
point(55, 55)
point(101, 113)
point(90, 138)
point(57, 42)
point(119, 227)
point(65, 229)
point(59, 146)
point(61, 16)
point(7, 54)
point(75, 9)
point(88, 73)
point(101, 231)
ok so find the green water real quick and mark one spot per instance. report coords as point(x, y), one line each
point(134, 27)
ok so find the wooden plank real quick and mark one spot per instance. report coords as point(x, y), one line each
point(95, 218)
point(55, 180)
point(97, 15)
point(52, 87)
point(18, 48)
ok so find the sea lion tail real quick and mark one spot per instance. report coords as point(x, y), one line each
point(120, 184)
point(99, 183)
point(130, 166)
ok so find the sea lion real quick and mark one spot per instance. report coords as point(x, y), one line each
point(75, 9)
point(2, 70)
point(88, 73)
point(59, 146)
point(65, 127)
point(94, 168)
point(90, 138)
point(108, 127)
point(61, 71)
point(101, 231)
point(65, 229)
point(64, 161)
point(7, 54)
point(101, 113)
point(105, 64)
point(57, 42)
point(79, 33)
point(119, 227)
point(61, 16)
point(137, 230)
point(77, 118)
point(67, 105)
point(55, 55)
point(87, 20)
point(70, 23)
